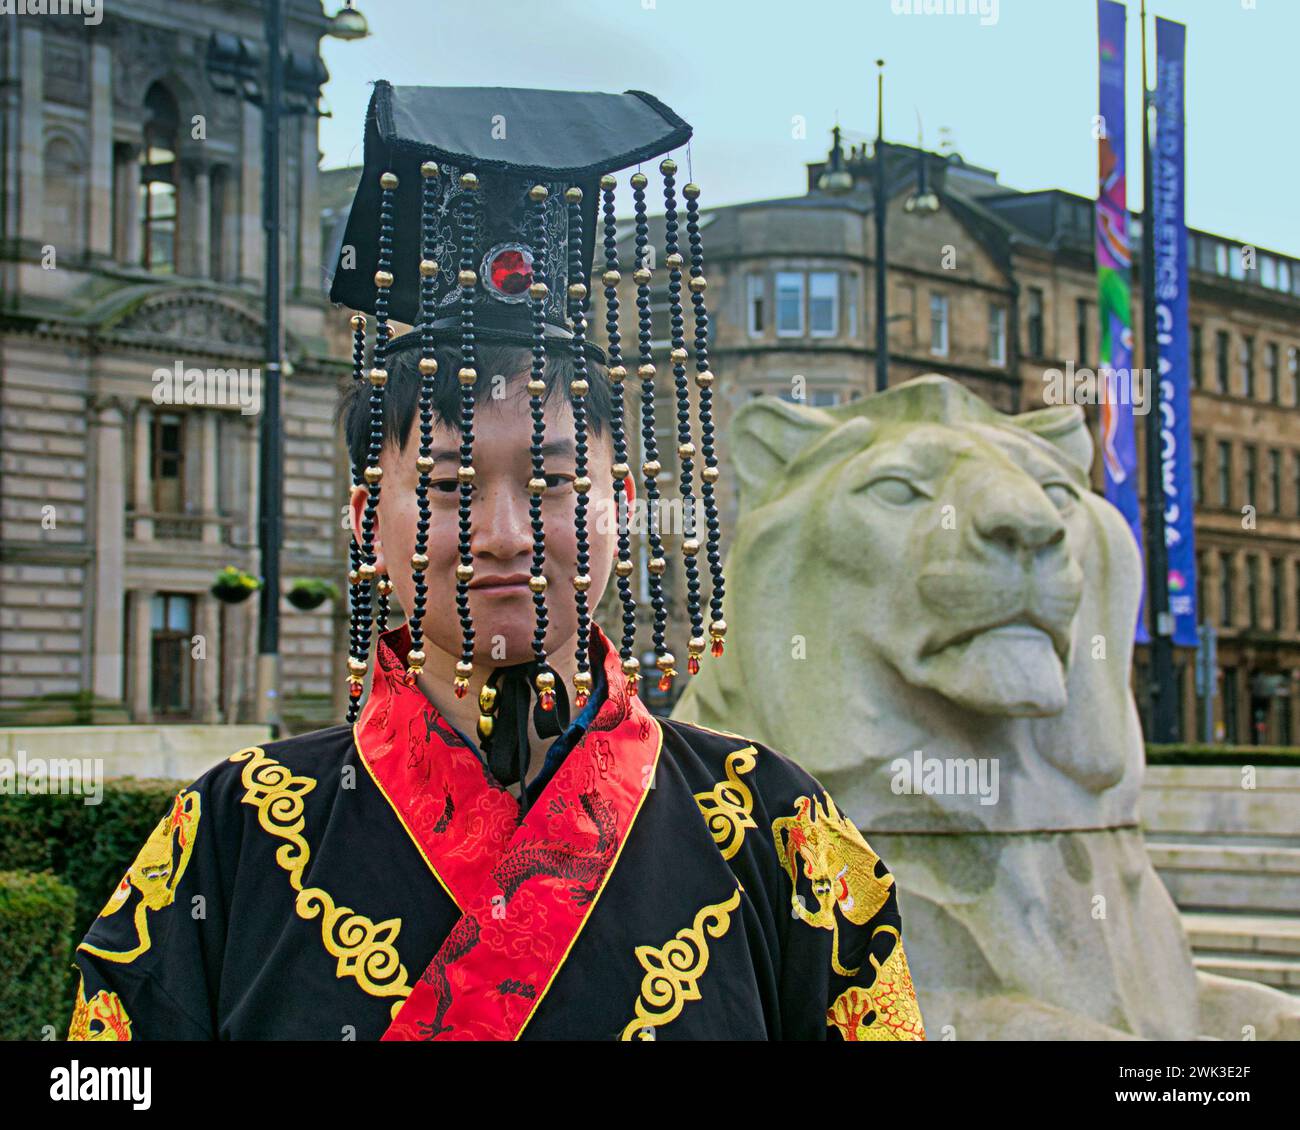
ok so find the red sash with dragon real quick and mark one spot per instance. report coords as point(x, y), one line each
point(524, 890)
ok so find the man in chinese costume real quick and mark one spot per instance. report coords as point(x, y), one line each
point(481, 855)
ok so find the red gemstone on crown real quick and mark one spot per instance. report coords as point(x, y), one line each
point(511, 271)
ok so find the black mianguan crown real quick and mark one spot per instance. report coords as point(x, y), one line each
point(475, 221)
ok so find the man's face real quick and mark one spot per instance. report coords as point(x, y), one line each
point(501, 535)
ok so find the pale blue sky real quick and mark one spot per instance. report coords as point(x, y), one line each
point(1017, 96)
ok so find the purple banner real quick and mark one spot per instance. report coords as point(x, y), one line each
point(1170, 232)
point(1114, 280)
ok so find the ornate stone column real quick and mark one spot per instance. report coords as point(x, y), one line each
point(207, 686)
point(31, 130)
point(109, 501)
point(208, 459)
point(140, 659)
point(99, 236)
point(142, 471)
point(197, 219)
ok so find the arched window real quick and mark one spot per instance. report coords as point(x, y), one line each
point(65, 197)
point(158, 180)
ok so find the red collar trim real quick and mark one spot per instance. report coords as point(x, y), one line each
point(525, 890)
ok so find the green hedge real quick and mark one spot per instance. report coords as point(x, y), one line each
point(36, 916)
point(1187, 753)
point(88, 848)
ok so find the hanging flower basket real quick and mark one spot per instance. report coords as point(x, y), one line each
point(311, 593)
point(234, 586)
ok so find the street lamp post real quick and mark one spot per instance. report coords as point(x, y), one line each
point(882, 205)
point(286, 85)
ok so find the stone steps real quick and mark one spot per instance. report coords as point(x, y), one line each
point(1219, 875)
point(1253, 947)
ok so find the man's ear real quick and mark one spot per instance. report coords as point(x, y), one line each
point(629, 487)
point(357, 505)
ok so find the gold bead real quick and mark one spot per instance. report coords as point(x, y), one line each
point(630, 666)
point(582, 484)
point(419, 562)
point(624, 568)
point(379, 377)
point(641, 276)
point(573, 195)
point(463, 669)
point(429, 169)
point(537, 485)
point(465, 474)
point(577, 291)
point(385, 587)
point(657, 566)
point(698, 284)
point(424, 464)
point(675, 262)
point(415, 660)
point(428, 268)
point(690, 546)
point(466, 375)
point(639, 180)
point(538, 193)
point(667, 166)
point(718, 628)
point(686, 451)
point(464, 572)
point(366, 571)
point(354, 577)
point(537, 584)
point(582, 582)
point(545, 681)
point(428, 366)
point(388, 180)
point(468, 181)
point(665, 661)
point(485, 725)
point(709, 474)
point(582, 681)
point(536, 387)
point(358, 321)
point(609, 181)
point(383, 279)
point(611, 278)
point(650, 468)
point(372, 475)
point(617, 373)
point(487, 698)
point(620, 471)
point(357, 666)
point(538, 291)
point(696, 645)
point(679, 356)
point(704, 378)
point(646, 372)
point(579, 387)
point(466, 278)
point(691, 190)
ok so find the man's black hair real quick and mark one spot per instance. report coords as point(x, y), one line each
point(402, 393)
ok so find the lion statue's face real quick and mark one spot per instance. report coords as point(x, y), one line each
point(917, 571)
point(962, 565)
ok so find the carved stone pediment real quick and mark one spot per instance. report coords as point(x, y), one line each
point(195, 319)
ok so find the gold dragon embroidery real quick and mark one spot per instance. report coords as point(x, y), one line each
point(155, 874)
point(103, 1017)
point(839, 865)
point(884, 1010)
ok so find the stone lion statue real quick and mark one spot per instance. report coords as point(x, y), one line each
point(933, 613)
